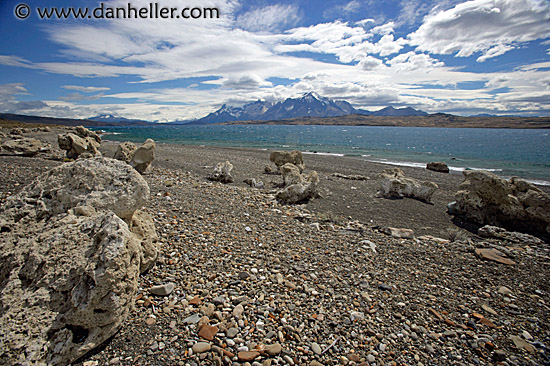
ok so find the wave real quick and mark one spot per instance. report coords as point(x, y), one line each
point(423, 165)
point(322, 153)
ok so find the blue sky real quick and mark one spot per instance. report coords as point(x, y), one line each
point(466, 58)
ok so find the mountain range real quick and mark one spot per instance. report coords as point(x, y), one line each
point(308, 105)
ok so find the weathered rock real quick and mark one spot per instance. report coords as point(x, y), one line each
point(125, 151)
point(143, 156)
point(67, 285)
point(516, 205)
point(143, 227)
point(268, 169)
point(23, 146)
point(208, 332)
point(162, 290)
point(438, 166)
point(394, 184)
point(273, 349)
point(69, 261)
point(201, 347)
point(291, 174)
point(248, 356)
point(350, 177)
point(103, 183)
point(252, 182)
point(398, 233)
point(281, 158)
point(222, 173)
point(494, 255)
point(495, 232)
point(82, 140)
point(298, 187)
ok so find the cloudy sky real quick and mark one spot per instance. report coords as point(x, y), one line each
point(466, 58)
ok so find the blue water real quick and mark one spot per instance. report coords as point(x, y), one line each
point(507, 152)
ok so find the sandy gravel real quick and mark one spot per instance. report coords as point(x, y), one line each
point(260, 283)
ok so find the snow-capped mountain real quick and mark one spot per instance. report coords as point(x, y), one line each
point(308, 105)
point(113, 119)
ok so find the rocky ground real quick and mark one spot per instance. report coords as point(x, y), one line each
point(259, 283)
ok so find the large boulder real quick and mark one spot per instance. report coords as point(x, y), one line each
point(103, 183)
point(281, 158)
point(297, 187)
point(66, 284)
point(70, 260)
point(80, 141)
point(438, 166)
point(125, 151)
point(394, 184)
point(23, 146)
point(143, 156)
point(516, 205)
point(222, 173)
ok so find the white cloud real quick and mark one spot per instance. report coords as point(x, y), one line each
point(270, 18)
point(370, 63)
point(239, 63)
point(413, 61)
point(78, 97)
point(489, 27)
point(246, 82)
point(85, 89)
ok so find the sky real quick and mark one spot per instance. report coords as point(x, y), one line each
point(464, 58)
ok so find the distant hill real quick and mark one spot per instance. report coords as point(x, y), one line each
point(308, 105)
point(117, 121)
point(430, 120)
point(70, 121)
point(401, 112)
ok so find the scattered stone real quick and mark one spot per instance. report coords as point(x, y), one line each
point(433, 239)
point(24, 146)
point(297, 187)
point(79, 141)
point(488, 309)
point(208, 332)
point(494, 255)
point(222, 173)
point(316, 348)
point(162, 290)
point(350, 177)
point(192, 319)
point(499, 355)
point(438, 166)
point(252, 182)
point(522, 344)
point(394, 184)
point(238, 311)
point(143, 156)
point(384, 287)
point(273, 349)
point(398, 233)
point(494, 232)
point(248, 356)
point(201, 347)
point(281, 158)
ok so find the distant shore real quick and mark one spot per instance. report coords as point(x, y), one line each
point(431, 120)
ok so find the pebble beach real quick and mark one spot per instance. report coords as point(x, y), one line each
point(245, 280)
